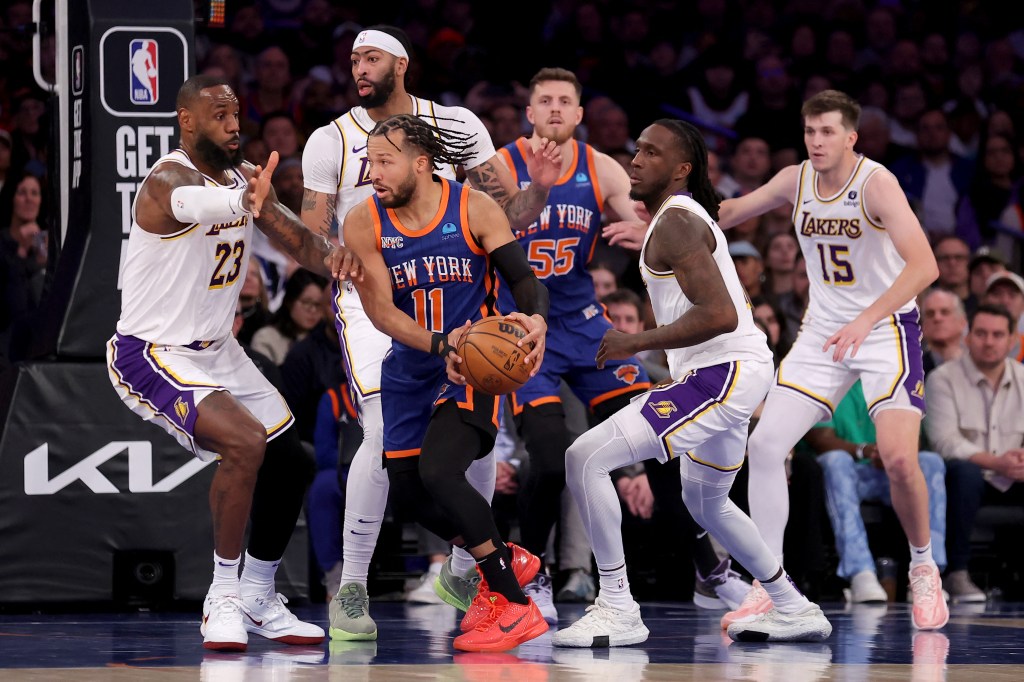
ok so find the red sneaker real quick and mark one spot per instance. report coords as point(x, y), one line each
point(506, 626)
point(525, 566)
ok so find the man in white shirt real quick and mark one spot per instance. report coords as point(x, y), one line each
point(974, 421)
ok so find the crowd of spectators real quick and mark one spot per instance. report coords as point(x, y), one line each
point(941, 85)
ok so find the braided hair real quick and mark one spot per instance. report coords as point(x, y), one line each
point(696, 152)
point(443, 146)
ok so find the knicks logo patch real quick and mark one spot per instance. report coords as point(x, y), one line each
point(181, 409)
point(627, 374)
point(664, 408)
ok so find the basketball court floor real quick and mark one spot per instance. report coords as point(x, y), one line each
point(415, 643)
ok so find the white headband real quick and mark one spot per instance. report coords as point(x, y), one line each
point(380, 40)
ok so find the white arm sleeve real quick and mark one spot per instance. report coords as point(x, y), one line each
point(207, 205)
point(321, 160)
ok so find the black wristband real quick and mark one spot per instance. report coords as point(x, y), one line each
point(439, 345)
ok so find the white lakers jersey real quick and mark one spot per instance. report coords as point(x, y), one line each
point(746, 342)
point(851, 261)
point(335, 162)
point(183, 287)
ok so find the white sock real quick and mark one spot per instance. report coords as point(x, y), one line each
point(225, 575)
point(920, 556)
point(366, 496)
point(784, 594)
point(462, 561)
point(615, 586)
point(258, 576)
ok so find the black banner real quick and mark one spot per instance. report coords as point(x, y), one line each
point(127, 61)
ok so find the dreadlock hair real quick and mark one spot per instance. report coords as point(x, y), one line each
point(443, 146)
point(696, 152)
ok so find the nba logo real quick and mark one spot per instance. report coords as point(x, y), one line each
point(144, 71)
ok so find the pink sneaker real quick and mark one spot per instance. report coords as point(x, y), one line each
point(930, 610)
point(755, 603)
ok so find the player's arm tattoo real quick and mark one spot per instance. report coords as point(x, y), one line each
point(681, 244)
point(521, 208)
point(307, 247)
point(311, 205)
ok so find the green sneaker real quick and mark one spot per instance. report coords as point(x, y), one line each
point(455, 590)
point(350, 614)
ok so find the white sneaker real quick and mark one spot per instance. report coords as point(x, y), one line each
point(539, 589)
point(865, 589)
point(266, 615)
point(807, 625)
point(222, 627)
point(723, 588)
point(424, 592)
point(603, 626)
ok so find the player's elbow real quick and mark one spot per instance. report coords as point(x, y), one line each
point(724, 319)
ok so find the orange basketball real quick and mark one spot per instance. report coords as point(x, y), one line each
point(491, 360)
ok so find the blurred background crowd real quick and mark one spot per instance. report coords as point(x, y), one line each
point(941, 84)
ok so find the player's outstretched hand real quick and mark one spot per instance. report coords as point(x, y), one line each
point(848, 338)
point(259, 186)
point(614, 346)
point(629, 234)
point(453, 360)
point(536, 331)
point(344, 264)
point(545, 164)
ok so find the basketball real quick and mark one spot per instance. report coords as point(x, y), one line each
point(491, 360)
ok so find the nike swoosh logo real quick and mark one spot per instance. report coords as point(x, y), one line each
point(807, 201)
point(355, 532)
point(257, 623)
point(365, 521)
point(356, 150)
point(510, 628)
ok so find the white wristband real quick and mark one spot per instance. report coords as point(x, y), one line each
point(207, 205)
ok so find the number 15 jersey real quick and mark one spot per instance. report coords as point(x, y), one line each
point(851, 261)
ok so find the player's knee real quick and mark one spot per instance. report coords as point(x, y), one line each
point(243, 446)
point(901, 466)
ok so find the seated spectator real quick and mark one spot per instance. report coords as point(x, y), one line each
point(1006, 289)
point(750, 164)
point(989, 193)
point(300, 311)
point(773, 323)
point(749, 267)
point(794, 303)
point(984, 263)
point(625, 308)
point(854, 473)
point(780, 261)
point(253, 302)
point(933, 178)
point(952, 255)
point(605, 279)
point(279, 133)
point(943, 325)
point(312, 366)
point(975, 405)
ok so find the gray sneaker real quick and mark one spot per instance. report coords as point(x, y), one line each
point(962, 589)
point(350, 614)
point(455, 590)
point(579, 588)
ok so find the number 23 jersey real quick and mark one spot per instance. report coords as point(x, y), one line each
point(851, 261)
point(183, 287)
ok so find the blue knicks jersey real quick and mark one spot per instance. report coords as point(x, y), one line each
point(560, 244)
point(440, 276)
